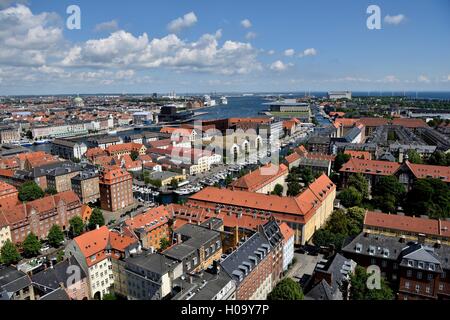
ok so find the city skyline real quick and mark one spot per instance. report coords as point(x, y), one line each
point(226, 47)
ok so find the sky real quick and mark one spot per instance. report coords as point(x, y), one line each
point(194, 46)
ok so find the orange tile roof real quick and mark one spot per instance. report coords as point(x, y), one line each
point(407, 224)
point(95, 152)
point(423, 171)
point(409, 123)
point(373, 122)
point(113, 174)
point(124, 147)
point(373, 167)
point(6, 188)
point(286, 231)
point(147, 220)
point(292, 157)
point(359, 154)
point(261, 177)
point(345, 122)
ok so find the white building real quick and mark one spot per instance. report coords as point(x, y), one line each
point(335, 95)
point(288, 245)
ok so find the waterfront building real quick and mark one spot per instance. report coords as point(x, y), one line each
point(262, 180)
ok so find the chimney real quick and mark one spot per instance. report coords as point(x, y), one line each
point(421, 238)
point(402, 239)
point(179, 238)
point(216, 267)
point(437, 245)
point(191, 280)
point(97, 226)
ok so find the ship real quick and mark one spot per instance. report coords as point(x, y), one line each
point(208, 102)
point(223, 100)
point(42, 141)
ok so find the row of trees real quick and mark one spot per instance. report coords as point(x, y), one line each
point(31, 246)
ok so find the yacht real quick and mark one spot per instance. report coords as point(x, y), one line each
point(223, 100)
point(42, 141)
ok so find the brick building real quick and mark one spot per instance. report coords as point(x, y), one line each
point(116, 190)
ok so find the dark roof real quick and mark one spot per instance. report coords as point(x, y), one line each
point(64, 169)
point(11, 281)
point(273, 233)
point(197, 236)
point(239, 263)
point(204, 287)
point(58, 294)
point(180, 251)
point(53, 277)
point(154, 262)
point(321, 291)
point(319, 140)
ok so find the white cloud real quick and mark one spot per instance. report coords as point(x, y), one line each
point(280, 66)
point(188, 20)
point(289, 52)
point(271, 52)
point(28, 39)
point(123, 50)
point(390, 79)
point(423, 78)
point(7, 3)
point(395, 20)
point(112, 25)
point(246, 23)
point(250, 35)
point(308, 52)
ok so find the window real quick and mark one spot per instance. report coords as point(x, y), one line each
point(373, 261)
point(384, 263)
point(358, 247)
point(421, 265)
point(443, 275)
point(432, 267)
point(407, 284)
point(430, 277)
point(409, 273)
point(395, 266)
point(419, 275)
point(441, 286)
point(410, 263)
point(427, 289)
point(417, 287)
point(371, 250)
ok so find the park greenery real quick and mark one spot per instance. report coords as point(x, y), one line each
point(278, 190)
point(31, 246)
point(286, 289)
point(341, 225)
point(76, 226)
point(55, 236)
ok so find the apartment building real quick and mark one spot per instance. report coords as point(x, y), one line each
point(60, 178)
point(86, 185)
point(262, 180)
point(116, 190)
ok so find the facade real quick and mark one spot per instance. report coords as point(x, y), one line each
point(86, 185)
point(9, 135)
point(288, 245)
point(116, 190)
point(290, 108)
point(61, 131)
point(40, 215)
point(151, 227)
point(126, 149)
point(60, 177)
point(336, 95)
point(100, 253)
point(262, 180)
point(151, 276)
point(9, 196)
point(68, 149)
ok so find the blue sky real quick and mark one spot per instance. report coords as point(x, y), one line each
point(228, 45)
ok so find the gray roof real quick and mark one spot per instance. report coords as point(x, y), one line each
point(11, 281)
point(58, 294)
point(273, 233)
point(65, 143)
point(319, 140)
point(321, 291)
point(64, 169)
point(180, 251)
point(197, 235)
point(164, 175)
point(53, 277)
point(352, 134)
point(204, 287)
point(154, 262)
point(314, 162)
point(85, 175)
point(249, 254)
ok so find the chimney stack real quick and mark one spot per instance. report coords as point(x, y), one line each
point(179, 238)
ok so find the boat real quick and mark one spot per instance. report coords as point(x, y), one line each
point(42, 141)
point(223, 100)
point(113, 132)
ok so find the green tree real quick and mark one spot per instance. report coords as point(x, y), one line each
point(430, 197)
point(30, 191)
point(31, 246)
point(134, 155)
point(55, 236)
point(60, 256)
point(414, 157)
point(307, 176)
point(164, 243)
point(76, 226)
point(29, 134)
point(51, 191)
point(293, 188)
point(350, 197)
point(109, 296)
point(360, 291)
point(388, 193)
point(228, 180)
point(286, 289)
point(96, 219)
point(340, 160)
point(174, 183)
point(278, 190)
point(439, 159)
point(9, 253)
point(360, 183)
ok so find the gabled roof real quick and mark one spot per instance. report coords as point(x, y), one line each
point(259, 178)
point(374, 167)
point(422, 171)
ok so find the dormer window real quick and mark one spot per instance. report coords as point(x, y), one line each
point(410, 263)
point(421, 265)
point(385, 253)
point(358, 247)
point(432, 266)
point(372, 250)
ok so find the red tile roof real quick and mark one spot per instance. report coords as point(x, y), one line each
point(409, 123)
point(423, 171)
point(286, 231)
point(407, 224)
point(359, 154)
point(259, 178)
point(373, 167)
point(149, 220)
